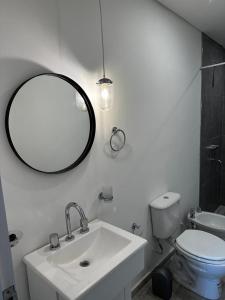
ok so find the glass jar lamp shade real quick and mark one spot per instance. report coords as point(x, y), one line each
point(105, 100)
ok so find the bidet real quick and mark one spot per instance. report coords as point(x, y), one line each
point(209, 222)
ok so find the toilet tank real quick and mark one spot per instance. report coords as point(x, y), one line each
point(165, 214)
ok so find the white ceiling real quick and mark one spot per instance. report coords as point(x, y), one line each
point(207, 15)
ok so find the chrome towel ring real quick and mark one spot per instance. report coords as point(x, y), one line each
point(115, 132)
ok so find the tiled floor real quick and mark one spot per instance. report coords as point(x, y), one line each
point(179, 293)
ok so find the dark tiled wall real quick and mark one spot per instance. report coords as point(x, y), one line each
point(212, 175)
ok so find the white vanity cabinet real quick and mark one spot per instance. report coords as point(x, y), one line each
point(116, 257)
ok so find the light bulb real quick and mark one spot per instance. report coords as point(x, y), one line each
point(105, 94)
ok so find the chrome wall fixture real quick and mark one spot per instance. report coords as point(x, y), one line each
point(212, 155)
point(135, 227)
point(107, 194)
point(14, 237)
point(117, 132)
point(213, 66)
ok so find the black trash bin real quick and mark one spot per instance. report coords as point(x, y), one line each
point(162, 283)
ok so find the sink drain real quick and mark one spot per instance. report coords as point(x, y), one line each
point(85, 263)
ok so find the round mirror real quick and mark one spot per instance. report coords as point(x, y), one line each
point(50, 123)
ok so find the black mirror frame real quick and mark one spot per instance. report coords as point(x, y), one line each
point(91, 117)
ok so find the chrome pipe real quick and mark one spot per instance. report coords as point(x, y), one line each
point(212, 66)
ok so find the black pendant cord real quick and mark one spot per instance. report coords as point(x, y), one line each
point(102, 40)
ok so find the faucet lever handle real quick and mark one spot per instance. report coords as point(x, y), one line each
point(54, 241)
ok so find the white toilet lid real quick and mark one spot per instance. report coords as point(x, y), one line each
point(202, 244)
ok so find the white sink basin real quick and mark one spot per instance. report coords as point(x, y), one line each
point(96, 248)
point(77, 269)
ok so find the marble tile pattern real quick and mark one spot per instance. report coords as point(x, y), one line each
point(179, 293)
point(212, 187)
point(220, 210)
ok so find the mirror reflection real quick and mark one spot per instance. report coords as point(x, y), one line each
point(50, 123)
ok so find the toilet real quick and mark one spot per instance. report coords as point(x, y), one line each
point(200, 256)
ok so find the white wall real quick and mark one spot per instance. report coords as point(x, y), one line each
point(153, 58)
point(6, 265)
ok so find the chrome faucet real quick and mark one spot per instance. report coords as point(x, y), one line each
point(83, 220)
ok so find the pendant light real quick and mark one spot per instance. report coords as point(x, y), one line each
point(105, 100)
